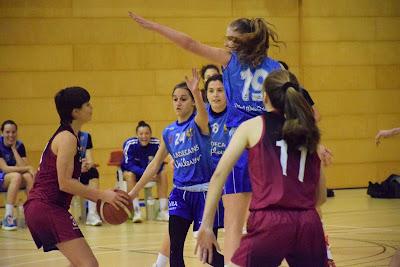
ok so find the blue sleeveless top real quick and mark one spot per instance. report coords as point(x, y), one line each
point(243, 87)
point(190, 150)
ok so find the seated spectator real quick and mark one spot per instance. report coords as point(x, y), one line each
point(138, 152)
point(89, 175)
point(15, 171)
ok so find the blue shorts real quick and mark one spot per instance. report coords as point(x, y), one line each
point(238, 180)
point(127, 168)
point(190, 206)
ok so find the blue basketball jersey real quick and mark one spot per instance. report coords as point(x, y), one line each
point(190, 150)
point(136, 157)
point(219, 134)
point(243, 87)
point(7, 154)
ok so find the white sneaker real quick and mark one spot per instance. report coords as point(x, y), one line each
point(137, 218)
point(163, 216)
point(93, 219)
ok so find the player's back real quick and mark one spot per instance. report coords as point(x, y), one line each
point(46, 185)
point(243, 87)
point(281, 177)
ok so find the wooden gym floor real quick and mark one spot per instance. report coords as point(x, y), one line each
point(362, 232)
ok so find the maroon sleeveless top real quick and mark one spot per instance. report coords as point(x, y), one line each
point(269, 160)
point(46, 187)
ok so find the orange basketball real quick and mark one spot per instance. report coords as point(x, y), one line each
point(111, 215)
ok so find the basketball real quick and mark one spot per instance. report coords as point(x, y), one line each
point(111, 215)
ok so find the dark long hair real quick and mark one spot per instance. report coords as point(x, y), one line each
point(253, 43)
point(300, 128)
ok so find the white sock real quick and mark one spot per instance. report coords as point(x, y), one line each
point(92, 207)
point(163, 204)
point(136, 205)
point(9, 210)
point(162, 260)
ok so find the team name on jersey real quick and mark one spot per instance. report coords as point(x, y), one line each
point(186, 152)
point(180, 163)
point(217, 148)
point(249, 108)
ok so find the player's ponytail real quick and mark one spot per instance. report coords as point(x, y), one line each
point(253, 41)
point(300, 127)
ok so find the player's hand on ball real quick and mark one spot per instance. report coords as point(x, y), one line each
point(117, 199)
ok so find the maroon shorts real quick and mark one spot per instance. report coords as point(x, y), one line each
point(50, 224)
point(274, 235)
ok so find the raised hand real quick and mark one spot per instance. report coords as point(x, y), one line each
point(147, 24)
point(193, 83)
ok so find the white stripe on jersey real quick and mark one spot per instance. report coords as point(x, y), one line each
point(126, 148)
point(135, 141)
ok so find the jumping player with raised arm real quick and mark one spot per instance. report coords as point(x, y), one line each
point(245, 65)
point(285, 175)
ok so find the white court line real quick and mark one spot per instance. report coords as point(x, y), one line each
point(362, 228)
point(55, 258)
point(99, 247)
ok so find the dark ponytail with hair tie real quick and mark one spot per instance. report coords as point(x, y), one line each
point(287, 85)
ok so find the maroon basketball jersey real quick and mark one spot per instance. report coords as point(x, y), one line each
point(281, 177)
point(46, 185)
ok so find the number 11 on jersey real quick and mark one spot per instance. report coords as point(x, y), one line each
point(284, 157)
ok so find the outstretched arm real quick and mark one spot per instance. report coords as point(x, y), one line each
point(386, 134)
point(150, 171)
point(219, 55)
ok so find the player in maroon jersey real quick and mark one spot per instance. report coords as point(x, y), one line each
point(46, 210)
point(285, 175)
